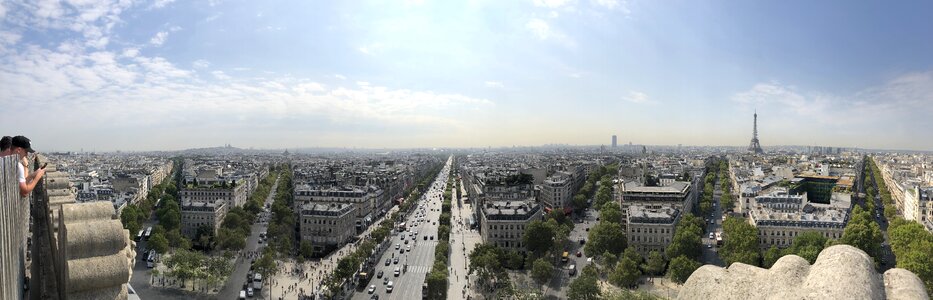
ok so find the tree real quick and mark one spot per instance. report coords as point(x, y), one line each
point(808, 245)
point(741, 242)
point(609, 259)
point(171, 219)
point(485, 262)
point(584, 287)
point(539, 237)
point(307, 250)
point(626, 273)
point(610, 212)
point(579, 201)
point(862, 235)
point(514, 260)
point(158, 242)
point(266, 264)
point(656, 263)
point(541, 270)
point(605, 236)
point(681, 267)
point(771, 256)
point(437, 284)
point(687, 240)
point(633, 255)
point(176, 240)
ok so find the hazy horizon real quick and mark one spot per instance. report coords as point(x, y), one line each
point(172, 75)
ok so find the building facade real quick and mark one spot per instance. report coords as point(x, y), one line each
point(651, 229)
point(781, 216)
point(503, 222)
point(327, 226)
point(202, 213)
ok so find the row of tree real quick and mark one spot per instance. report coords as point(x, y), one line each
point(601, 179)
point(911, 243)
point(350, 264)
point(438, 277)
point(236, 225)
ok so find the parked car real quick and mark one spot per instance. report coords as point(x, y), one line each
point(379, 275)
point(372, 289)
point(249, 292)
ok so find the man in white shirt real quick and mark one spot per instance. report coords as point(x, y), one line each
point(22, 147)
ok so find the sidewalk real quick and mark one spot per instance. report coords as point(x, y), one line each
point(462, 242)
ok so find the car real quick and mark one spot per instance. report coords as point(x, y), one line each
point(372, 289)
point(242, 295)
point(388, 261)
point(402, 251)
point(425, 238)
point(397, 246)
point(379, 275)
point(389, 287)
point(249, 292)
point(582, 241)
point(406, 242)
point(711, 236)
point(432, 237)
point(397, 272)
point(408, 248)
point(385, 280)
point(260, 241)
point(395, 261)
point(709, 245)
point(374, 297)
point(579, 254)
point(586, 229)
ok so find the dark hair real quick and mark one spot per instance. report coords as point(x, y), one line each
point(5, 143)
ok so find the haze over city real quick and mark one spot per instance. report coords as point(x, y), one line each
point(165, 75)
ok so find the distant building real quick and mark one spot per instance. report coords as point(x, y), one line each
point(327, 226)
point(503, 222)
point(202, 213)
point(615, 141)
point(780, 217)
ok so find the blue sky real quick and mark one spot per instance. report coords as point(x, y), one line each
point(155, 75)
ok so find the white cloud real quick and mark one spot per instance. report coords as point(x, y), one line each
point(220, 75)
point(159, 38)
point(130, 52)
point(637, 97)
point(551, 3)
point(341, 77)
point(494, 84)
point(161, 3)
point(201, 64)
point(905, 97)
point(539, 28)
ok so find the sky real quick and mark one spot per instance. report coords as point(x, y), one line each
point(102, 75)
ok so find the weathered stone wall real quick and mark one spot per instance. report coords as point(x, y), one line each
point(840, 272)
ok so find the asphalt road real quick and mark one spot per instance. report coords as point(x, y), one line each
point(142, 274)
point(714, 224)
point(234, 285)
point(420, 259)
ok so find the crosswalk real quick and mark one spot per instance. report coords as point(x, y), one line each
point(419, 269)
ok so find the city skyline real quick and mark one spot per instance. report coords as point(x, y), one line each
point(169, 75)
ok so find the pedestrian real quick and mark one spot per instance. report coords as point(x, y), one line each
point(20, 145)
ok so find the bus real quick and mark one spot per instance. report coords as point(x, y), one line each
point(150, 260)
point(139, 236)
point(148, 232)
point(257, 281)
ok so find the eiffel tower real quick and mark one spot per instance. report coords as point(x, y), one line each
point(754, 146)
